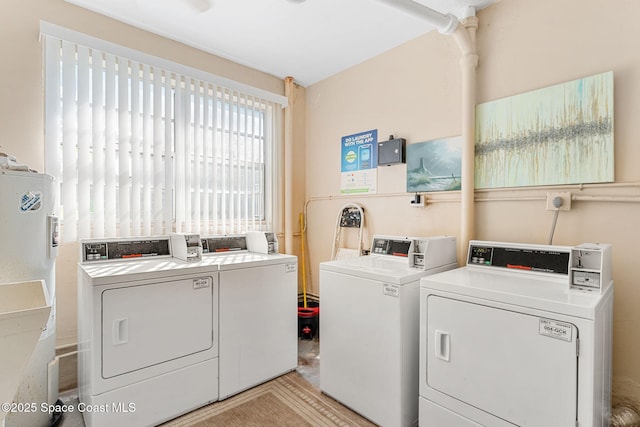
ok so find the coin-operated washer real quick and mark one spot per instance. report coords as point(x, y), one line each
point(369, 324)
point(519, 336)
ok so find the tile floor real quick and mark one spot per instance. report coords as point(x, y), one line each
point(308, 366)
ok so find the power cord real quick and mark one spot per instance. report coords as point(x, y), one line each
point(557, 202)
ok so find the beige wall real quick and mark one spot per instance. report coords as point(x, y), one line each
point(414, 92)
point(21, 99)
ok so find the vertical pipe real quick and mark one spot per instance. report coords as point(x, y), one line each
point(288, 166)
point(464, 35)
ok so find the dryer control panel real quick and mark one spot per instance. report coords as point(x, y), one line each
point(122, 249)
point(586, 267)
point(530, 258)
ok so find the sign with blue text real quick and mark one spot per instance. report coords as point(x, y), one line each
point(359, 162)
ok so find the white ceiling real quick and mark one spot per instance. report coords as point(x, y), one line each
point(309, 40)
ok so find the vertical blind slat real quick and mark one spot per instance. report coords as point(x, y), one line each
point(233, 159)
point(124, 149)
point(147, 150)
point(136, 151)
point(69, 141)
point(224, 182)
point(188, 156)
point(110, 165)
point(158, 146)
point(197, 156)
point(84, 144)
point(169, 191)
point(216, 144)
point(98, 122)
point(252, 172)
point(245, 161)
point(206, 149)
point(179, 158)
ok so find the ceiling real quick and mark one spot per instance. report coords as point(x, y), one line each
point(307, 39)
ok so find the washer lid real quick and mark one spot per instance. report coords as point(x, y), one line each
point(382, 268)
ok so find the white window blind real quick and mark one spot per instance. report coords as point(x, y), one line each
point(139, 149)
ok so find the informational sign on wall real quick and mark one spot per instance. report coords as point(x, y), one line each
point(359, 162)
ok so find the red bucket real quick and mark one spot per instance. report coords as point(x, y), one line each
point(308, 323)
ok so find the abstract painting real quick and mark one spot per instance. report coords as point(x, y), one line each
point(561, 134)
point(434, 165)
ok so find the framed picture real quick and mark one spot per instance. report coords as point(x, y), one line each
point(434, 165)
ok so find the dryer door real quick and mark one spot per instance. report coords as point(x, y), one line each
point(149, 324)
point(518, 367)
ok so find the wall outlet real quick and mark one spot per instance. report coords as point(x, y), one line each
point(565, 196)
point(419, 201)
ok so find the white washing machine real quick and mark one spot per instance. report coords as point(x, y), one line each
point(521, 336)
point(369, 325)
point(148, 333)
point(258, 317)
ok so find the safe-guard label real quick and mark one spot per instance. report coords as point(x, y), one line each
point(391, 290)
point(554, 329)
point(201, 283)
point(290, 267)
point(30, 201)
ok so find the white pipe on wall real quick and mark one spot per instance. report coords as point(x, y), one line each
point(288, 166)
point(465, 37)
point(464, 33)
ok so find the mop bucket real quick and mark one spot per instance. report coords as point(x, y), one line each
point(308, 320)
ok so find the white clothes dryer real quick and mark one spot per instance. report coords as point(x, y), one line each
point(148, 333)
point(369, 325)
point(521, 336)
point(258, 311)
point(258, 319)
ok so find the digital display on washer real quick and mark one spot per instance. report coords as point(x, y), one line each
point(545, 261)
point(391, 247)
point(399, 248)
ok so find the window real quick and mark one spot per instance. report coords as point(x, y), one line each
point(144, 149)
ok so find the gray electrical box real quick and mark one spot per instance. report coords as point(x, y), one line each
point(391, 152)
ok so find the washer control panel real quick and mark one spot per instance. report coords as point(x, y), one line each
point(390, 246)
